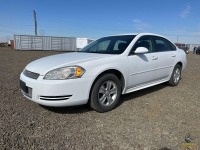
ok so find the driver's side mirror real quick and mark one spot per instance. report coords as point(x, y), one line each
point(141, 50)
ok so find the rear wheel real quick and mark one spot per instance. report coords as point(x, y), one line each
point(176, 76)
point(105, 93)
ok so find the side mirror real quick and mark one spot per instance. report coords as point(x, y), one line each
point(141, 50)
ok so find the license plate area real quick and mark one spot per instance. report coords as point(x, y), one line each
point(25, 89)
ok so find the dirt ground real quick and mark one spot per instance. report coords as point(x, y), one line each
point(157, 118)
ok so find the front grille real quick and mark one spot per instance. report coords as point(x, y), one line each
point(31, 74)
point(55, 98)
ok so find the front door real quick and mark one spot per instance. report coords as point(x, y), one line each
point(142, 67)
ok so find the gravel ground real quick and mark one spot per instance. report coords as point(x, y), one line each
point(157, 118)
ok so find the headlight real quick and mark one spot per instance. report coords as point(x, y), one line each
point(65, 73)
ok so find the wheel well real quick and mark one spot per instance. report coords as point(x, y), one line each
point(111, 71)
point(180, 63)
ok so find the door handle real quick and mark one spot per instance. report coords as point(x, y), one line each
point(173, 55)
point(154, 58)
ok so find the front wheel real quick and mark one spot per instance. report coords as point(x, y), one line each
point(176, 76)
point(105, 93)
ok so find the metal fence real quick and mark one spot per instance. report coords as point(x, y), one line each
point(29, 42)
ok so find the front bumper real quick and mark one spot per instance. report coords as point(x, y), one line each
point(56, 93)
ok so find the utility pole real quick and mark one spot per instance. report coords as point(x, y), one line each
point(177, 38)
point(35, 20)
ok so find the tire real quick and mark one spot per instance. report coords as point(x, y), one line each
point(176, 76)
point(105, 93)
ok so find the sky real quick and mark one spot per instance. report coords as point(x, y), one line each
point(178, 20)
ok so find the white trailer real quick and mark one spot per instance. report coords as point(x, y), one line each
point(82, 42)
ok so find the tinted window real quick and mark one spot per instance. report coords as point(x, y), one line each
point(171, 46)
point(161, 44)
point(109, 45)
point(144, 41)
point(101, 47)
point(118, 43)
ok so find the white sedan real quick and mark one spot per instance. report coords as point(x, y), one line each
point(100, 72)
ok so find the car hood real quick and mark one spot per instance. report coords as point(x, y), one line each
point(43, 65)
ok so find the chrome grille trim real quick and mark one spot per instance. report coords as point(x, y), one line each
point(55, 98)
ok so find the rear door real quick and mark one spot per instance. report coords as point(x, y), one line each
point(166, 57)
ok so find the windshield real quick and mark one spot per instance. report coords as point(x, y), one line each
point(109, 45)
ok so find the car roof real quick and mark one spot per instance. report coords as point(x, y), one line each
point(145, 33)
point(140, 34)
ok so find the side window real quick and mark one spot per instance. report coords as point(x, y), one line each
point(101, 47)
point(161, 45)
point(144, 41)
point(171, 46)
